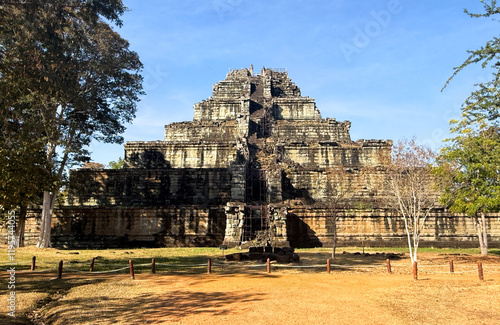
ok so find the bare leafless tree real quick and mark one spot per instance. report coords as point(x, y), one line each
point(411, 189)
point(336, 199)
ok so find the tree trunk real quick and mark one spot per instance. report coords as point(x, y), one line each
point(408, 237)
point(334, 237)
point(21, 225)
point(44, 238)
point(482, 233)
point(48, 203)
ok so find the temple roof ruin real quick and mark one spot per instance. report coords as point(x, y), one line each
point(254, 114)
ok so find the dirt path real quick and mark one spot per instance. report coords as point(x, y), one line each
point(314, 298)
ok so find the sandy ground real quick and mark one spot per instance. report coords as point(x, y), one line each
point(286, 296)
point(289, 298)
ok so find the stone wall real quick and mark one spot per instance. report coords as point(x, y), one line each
point(142, 154)
point(361, 187)
point(300, 108)
point(363, 153)
point(204, 155)
point(139, 227)
point(180, 155)
point(97, 227)
point(328, 130)
point(104, 227)
point(220, 109)
point(201, 132)
point(384, 229)
point(149, 187)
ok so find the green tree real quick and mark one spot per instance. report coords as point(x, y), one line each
point(468, 169)
point(469, 174)
point(118, 164)
point(483, 104)
point(64, 63)
point(24, 169)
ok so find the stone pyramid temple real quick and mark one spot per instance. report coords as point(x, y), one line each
point(258, 165)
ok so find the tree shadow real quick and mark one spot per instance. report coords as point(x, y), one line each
point(106, 208)
point(148, 308)
point(18, 320)
point(45, 283)
point(494, 252)
point(350, 259)
point(148, 158)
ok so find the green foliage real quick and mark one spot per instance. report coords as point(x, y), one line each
point(63, 62)
point(469, 172)
point(360, 205)
point(25, 171)
point(469, 165)
point(117, 164)
point(482, 106)
point(63, 66)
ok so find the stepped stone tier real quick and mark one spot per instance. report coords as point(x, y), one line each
point(257, 165)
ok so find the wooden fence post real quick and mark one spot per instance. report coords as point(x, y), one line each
point(33, 263)
point(480, 271)
point(131, 267)
point(328, 265)
point(389, 268)
point(60, 270)
point(268, 265)
point(452, 267)
point(92, 261)
point(209, 266)
point(153, 265)
point(415, 270)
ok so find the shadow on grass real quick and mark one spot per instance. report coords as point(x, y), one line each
point(45, 283)
point(310, 262)
point(146, 308)
point(176, 264)
point(347, 260)
point(182, 264)
point(495, 252)
point(18, 320)
point(48, 283)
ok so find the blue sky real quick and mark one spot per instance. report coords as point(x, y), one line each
point(380, 64)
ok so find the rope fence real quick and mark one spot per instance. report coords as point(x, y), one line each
point(423, 269)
